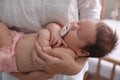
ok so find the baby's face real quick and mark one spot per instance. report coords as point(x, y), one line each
point(81, 33)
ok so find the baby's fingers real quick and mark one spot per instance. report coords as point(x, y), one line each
point(53, 41)
point(64, 43)
point(59, 41)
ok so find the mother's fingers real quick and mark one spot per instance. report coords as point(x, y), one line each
point(42, 54)
point(37, 60)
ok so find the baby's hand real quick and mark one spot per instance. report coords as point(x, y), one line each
point(55, 39)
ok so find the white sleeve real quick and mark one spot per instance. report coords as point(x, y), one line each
point(89, 9)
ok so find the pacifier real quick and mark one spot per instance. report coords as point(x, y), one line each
point(65, 29)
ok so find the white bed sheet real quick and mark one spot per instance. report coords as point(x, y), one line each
point(106, 66)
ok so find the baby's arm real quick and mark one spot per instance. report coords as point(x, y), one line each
point(55, 38)
point(43, 38)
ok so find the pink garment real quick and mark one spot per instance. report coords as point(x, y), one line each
point(7, 55)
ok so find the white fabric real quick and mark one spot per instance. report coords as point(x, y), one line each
point(32, 15)
point(106, 67)
point(6, 76)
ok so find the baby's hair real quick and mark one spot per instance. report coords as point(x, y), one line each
point(106, 40)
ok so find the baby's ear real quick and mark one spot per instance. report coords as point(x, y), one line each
point(83, 53)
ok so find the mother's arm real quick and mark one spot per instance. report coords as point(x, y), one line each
point(21, 76)
point(43, 75)
point(57, 62)
point(37, 75)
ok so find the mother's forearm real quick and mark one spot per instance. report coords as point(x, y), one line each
point(35, 75)
point(21, 76)
point(81, 61)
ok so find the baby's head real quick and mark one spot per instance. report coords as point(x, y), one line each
point(106, 40)
point(90, 37)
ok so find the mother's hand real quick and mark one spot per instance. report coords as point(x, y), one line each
point(57, 61)
point(36, 75)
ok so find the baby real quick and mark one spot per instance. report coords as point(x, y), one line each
point(88, 37)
